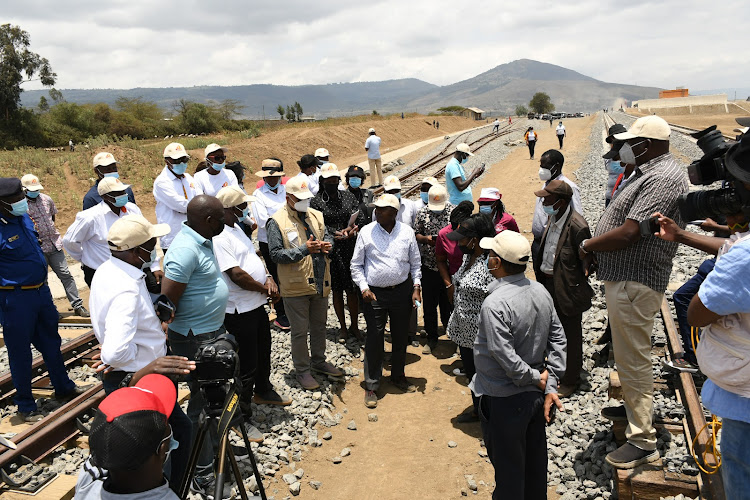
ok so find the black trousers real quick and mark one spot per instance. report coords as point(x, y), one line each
point(271, 266)
point(467, 358)
point(88, 274)
point(513, 431)
point(434, 297)
point(532, 144)
point(394, 303)
point(572, 324)
point(253, 334)
point(560, 139)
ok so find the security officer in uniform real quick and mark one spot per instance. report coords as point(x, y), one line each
point(28, 314)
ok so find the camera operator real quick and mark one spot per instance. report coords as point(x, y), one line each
point(635, 271)
point(126, 324)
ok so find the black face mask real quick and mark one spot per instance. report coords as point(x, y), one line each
point(466, 249)
point(330, 189)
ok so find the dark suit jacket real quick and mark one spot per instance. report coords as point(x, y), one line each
point(572, 291)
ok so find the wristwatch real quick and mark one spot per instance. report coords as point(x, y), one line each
point(583, 246)
point(126, 380)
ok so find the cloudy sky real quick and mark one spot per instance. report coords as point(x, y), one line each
point(165, 43)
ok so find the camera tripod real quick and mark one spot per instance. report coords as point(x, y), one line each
point(221, 416)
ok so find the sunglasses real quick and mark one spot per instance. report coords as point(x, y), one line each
point(184, 159)
point(217, 158)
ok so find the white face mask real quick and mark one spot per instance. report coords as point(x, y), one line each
point(545, 174)
point(302, 205)
point(627, 156)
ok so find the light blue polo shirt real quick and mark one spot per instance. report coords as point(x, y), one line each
point(452, 170)
point(190, 259)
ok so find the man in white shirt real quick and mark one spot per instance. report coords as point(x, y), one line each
point(86, 239)
point(125, 323)
point(173, 190)
point(250, 287)
point(407, 211)
point(215, 176)
point(387, 268)
point(496, 125)
point(309, 168)
point(560, 132)
point(269, 198)
point(372, 146)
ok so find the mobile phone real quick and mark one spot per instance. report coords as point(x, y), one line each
point(649, 226)
point(552, 414)
point(164, 308)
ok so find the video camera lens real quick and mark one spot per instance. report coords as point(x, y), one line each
point(705, 204)
point(710, 168)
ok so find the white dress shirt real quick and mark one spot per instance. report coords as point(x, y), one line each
point(265, 205)
point(86, 239)
point(234, 249)
point(172, 196)
point(550, 242)
point(211, 184)
point(384, 259)
point(540, 218)
point(123, 317)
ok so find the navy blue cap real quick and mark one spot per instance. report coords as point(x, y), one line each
point(9, 186)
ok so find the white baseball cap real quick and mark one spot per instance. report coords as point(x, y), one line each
point(647, 127)
point(103, 159)
point(329, 170)
point(437, 198)
point(212, 148)
point(231, 196)
point(387, 200)
point(464, 148)
point(133, 230)
point(489, 194)
point(372, 130)
point(298, 187)
point(509, 246)
point(431, 181)
point(109, 184)
point(31, 182)
point(321, 153)
point(174, 151)
point(391, 182)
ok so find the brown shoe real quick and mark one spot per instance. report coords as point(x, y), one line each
point(307, 381)
point(403, 384)
point(328, 369)
point(371, 399)
point(565, 390)
point(271, 398)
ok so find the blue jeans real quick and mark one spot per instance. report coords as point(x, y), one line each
point(682, 298)
point(735, 458)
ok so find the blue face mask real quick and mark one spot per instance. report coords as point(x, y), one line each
point(245, 212)
point(550, 210)
point(218, 166)
point(425, 197)
point(173, 445)
point(398, 195)
point(355, 182)
point(114, 175)
point(18, 208)
point(487, 265)
point(179, 168)
point(152, 257)
point(121, 200)
point(485, 209)
point(616, 167)
point(464, 161)
point(32, 194)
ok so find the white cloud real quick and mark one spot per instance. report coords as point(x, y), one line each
point(137, 43)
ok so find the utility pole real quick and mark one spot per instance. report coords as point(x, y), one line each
point(264, 112)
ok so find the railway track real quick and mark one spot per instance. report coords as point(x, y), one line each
point(434, 166)
point(686, 131)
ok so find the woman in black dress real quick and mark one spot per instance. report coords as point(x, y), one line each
point(342, 218)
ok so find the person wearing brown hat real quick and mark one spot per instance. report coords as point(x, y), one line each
point(635, 270)
point(560, 269)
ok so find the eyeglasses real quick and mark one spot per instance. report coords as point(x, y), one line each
point(167, 439)
point(218, 159)
point(184, 159)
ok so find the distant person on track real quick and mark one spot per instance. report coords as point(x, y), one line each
point(550, 168)
point(215, 177)
point(560, 133)
point(564, 274)
point(388, 270)
point(437, 125)
point(310, 171)
point(105, 165)
point(424, 191)
point(430, 220)
point(372, 146)
point(300, 245)
point(42, 211)
point(457, 182)
point(550, 121)
point(173, 190)
point(519, 355)
point(490, 203)
point(29, 316)
point(612, 161)
point(496, 126)
point(71, 145)
point(127, 327)
point(635, 271)
point(530, 137)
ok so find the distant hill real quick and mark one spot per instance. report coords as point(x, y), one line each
point(496, 91)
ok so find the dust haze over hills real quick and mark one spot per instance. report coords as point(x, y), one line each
point(496, 91)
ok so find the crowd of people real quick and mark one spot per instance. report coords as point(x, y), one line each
point(461, 260)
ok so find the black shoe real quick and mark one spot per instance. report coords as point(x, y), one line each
point(282, 322)
point(31, 416)
point(615, 413)
point(679, 365)
point(468, 417)
point(77, 391)
point(240, 452)
point(271, 398)
point(629, 456)
point(82, 312)
point(606, 337)
point(403, 384)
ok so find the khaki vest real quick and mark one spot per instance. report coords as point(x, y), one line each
point(298, 279)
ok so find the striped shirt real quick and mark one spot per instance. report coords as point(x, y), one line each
point(42, 210)
point(654, 187)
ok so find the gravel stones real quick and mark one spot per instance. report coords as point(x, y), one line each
point(352, 426)
point(372, 417)
point(452, 444)
point(346, 452)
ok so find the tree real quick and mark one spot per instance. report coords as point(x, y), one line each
point(298, 110)
point(521, 110)
point(228, 109)
point(541, 103)
point(43, 104)
point(56, 95)
point(198, 118)
point(280, 111)
point(451, 109)
point(140, 108)
point(289, 114)
point(375, 112)
point(17, 62)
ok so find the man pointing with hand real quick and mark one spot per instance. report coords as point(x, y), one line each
point(299, 245)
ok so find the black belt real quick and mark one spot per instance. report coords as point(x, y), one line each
point(393, 286)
